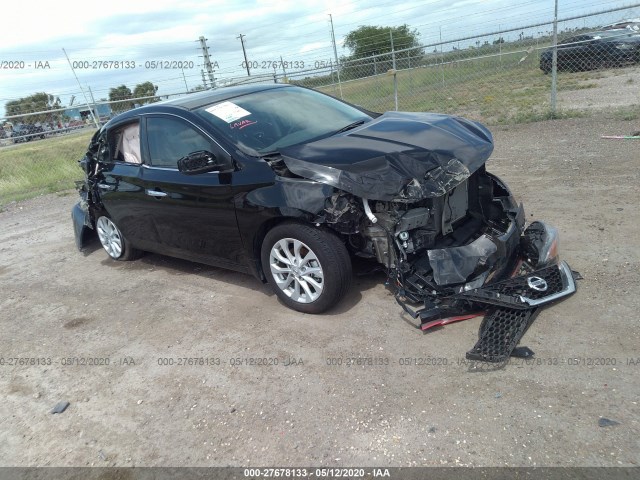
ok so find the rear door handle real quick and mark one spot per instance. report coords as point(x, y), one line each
point(156, 193)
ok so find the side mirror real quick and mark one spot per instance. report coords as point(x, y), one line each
point(198, 162)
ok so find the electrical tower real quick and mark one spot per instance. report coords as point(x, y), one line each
point(207, 61)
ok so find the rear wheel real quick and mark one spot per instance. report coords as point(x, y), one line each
point(308, 269)
point(114, 243)
point(545, 67)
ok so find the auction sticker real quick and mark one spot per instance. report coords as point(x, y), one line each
point(228, 111)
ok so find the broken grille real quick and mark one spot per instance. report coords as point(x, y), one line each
point(500, 332)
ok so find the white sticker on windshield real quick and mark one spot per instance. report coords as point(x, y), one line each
point(228, 111)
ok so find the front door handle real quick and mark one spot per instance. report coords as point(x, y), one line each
point(155, 193)
point(104, 186)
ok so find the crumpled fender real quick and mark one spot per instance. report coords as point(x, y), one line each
point(293, 197)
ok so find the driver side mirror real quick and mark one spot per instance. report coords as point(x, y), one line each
point(198, 162)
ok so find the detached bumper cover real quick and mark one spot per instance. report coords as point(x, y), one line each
point(515, 304)
point(528, 291)
point(509, 308)
point(81, 224)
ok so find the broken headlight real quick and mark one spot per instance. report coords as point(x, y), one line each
point(539, 244)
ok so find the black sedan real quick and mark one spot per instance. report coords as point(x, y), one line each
point(594, 50)
point(288, 184)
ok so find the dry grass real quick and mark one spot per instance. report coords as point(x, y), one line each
point(41, 166)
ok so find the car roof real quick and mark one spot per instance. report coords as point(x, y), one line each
point(621, 32)
point(192, 101)
point(200, 99)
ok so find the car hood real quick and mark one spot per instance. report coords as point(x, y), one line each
point(399, 155)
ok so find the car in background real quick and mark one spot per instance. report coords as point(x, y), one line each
point(25, 132)
point(593, 50)
point(632, 24)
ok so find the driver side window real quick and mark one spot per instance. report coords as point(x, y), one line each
point(170, 139)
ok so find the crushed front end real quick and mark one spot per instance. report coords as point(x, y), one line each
point(417, 198)
point(467, 252)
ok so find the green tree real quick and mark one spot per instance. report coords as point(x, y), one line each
point(120, 99)
point(367, 41)
point(146, 89)
point(37, 102)
point(120, 93)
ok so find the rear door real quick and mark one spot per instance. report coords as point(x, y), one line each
point(121, 186)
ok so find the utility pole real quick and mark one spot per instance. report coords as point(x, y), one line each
point(207, 61)
point(244, 52)
point(335, 54)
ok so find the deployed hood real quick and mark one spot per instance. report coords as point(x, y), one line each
point(398, 156)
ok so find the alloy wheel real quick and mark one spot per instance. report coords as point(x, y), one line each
point(110, 237)
point(296, 270)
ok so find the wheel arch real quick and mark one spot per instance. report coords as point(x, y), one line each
point(265, 227)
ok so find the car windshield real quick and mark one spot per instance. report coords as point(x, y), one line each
point(263, 122)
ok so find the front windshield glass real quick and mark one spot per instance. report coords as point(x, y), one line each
point(267, 121)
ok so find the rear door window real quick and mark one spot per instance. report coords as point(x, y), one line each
point(124, 144)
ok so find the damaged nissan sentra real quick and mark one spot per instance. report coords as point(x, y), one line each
point(288, 184)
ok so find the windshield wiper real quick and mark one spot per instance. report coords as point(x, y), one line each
point(349, 127)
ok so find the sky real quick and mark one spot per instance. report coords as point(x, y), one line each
point(34, 33)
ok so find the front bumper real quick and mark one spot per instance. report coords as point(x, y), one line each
point(509, 303)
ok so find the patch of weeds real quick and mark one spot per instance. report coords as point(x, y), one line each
point(538, 116)
point(626, 113)
point(576, 86)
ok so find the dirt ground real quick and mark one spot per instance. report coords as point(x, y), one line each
point(420, 405)
point(602, 90)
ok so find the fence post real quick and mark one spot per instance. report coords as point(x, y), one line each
point(395, 87)
point(395, 71)
point(441, 58)
point(335, 54)
point(96, 116)
point(95, 121)
point(554, 63)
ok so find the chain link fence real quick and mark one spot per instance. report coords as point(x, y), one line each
point(505, 76)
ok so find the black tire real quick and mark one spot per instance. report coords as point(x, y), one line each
point(114, 243)
point(545, 67)
point(297, 288)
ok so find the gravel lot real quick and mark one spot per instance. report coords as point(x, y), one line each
point(60, 304)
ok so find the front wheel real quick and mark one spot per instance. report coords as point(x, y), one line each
point(309, 269)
